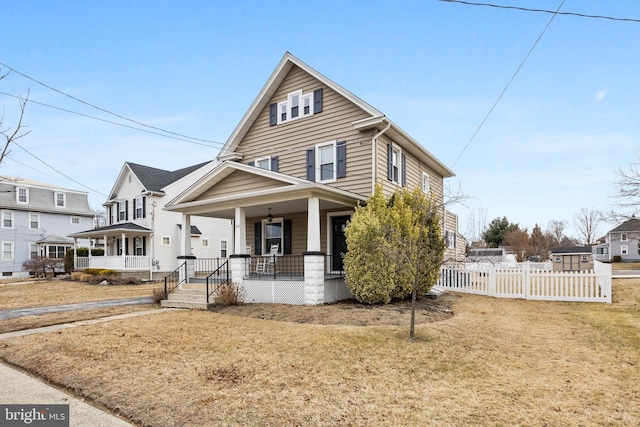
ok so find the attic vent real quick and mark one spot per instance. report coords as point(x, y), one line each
point(129, 178)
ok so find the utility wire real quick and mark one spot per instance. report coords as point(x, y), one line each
point(51, 167)
point(115, 123)
point(507, 86)
point(526, 9)
point(104, 110)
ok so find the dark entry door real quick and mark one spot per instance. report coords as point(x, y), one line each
point(338, 241)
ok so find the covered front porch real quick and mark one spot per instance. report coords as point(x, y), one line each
point(288, 233)
point(126, 249)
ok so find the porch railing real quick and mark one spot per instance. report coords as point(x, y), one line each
point(173, 280)
point(205, 266)
point(217, 279)
point(288, 266)
point(128, 262)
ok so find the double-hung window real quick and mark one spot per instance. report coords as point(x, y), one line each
point(223, 248)
point(7, 250)
point(139, 207)
point(60, 199)
point(122, 210)
point(326, 162)
point(396, 165)
point(33, 250)
point(139, 248)
point(272, 235)
point(624, 250)
point(34, 221)
point(7, 219)
point(297, 105)
point(623, 237)
point(425, 182)
point(22, 195)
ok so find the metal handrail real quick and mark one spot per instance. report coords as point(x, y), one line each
point(170, 279)
point(221, 282)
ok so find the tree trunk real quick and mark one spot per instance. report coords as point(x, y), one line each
point(414, 295)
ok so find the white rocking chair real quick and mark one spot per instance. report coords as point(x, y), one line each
point(265, 264)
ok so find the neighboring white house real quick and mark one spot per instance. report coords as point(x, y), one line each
point(143, 239)
point(35, 218)
point(621, 241)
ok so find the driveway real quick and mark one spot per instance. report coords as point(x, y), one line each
point(35, 311)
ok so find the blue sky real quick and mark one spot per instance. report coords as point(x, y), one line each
point(550, 147)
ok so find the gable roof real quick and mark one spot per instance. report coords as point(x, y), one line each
point(153, 180)
point(571, 250)
point(377, 119)
point(124, 227)
point(632, 224)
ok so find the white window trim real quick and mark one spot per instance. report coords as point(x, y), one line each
point(426, 179)
point(71, 218)
point(26, 202)
point(319, 166)
point(29, 219)
point(139, 206)
point(138, 244)
point(288, 105)
point(624, 237)
point(226, 248)
point(37, 251)
point(267, 251)
point(122, 203)
point(585, 258)
point(162, 243)
point(624, 250)
point(260, 159)
point(11, 245)
point(55, 199)
point(12, 219)
point(396, 149)
point(558, 259)
point(204, 242)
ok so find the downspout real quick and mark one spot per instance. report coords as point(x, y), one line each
point(374, 160)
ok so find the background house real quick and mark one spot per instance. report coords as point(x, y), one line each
point(622, 241)
point(143, 239)
point(35, 220)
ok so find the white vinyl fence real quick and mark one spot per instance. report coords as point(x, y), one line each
point(529, 283)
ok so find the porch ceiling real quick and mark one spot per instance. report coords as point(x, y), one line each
point(283, 200)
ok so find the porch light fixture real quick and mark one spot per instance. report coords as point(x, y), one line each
point(269, 217)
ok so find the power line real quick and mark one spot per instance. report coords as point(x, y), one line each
point(102, 109)
point(507, 86)
point(114, 123)
point(51, 167)
point(526, 9)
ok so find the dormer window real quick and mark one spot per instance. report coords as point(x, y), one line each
point(60, 199)
point(297, 105)
point(22, 195)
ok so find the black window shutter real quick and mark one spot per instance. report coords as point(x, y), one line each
point(273, 114)
point(404, 169)
point(389, 162)
point(341, 159)
point(257, 238)
point(134, 208)
point(126, 211)
point(126, 246)
point(311, 164)
point(144, 245)
point(274, 163)
point(144, 206)
point(251, 163)
point(446, 239)
point(110, 214)
point(455, 235)
point(317, 101)
point(287, 237)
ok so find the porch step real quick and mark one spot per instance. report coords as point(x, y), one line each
point(193, 295)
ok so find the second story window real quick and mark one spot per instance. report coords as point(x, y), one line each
point(60, 199)
point(75, 220)
point(327, 161)
point(425, 182)
point(396, 165)
point(122, 210)
point(269, 163)
point(297, 105)
point(34, 221)
point(623, 237)
point(139, 208)
point(22, 195)
point(7, 219)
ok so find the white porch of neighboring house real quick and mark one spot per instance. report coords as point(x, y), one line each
point(303, 221)
point(126, 250)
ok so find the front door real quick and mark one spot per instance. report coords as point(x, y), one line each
point(338, 241)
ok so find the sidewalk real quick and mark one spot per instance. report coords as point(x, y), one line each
point(19, 388)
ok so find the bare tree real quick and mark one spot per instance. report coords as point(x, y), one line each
point(9, 135)
point(518, 241)
point(555, 230)
point(587, 222)
point(476, 225)
point(627, 192)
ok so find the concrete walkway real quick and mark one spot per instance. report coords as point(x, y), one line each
point(18, 388)
point(35, 311)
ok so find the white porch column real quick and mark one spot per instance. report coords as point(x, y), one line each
point(185, 249)
point(75, 253)
point(313, 224)
point(123, 246)
point(240, 243)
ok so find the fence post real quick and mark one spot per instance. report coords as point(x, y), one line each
point(491, 286)
point(526, 280)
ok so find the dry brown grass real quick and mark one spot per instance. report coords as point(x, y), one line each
point(625, 265)
point(56, 292)
point(495, 362)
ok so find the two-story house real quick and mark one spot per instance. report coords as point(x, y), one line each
point(304, 155)
point(622, 241)
point(35, 219)
point(140, 238)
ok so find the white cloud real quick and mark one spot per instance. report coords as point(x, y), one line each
point(601, 94)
